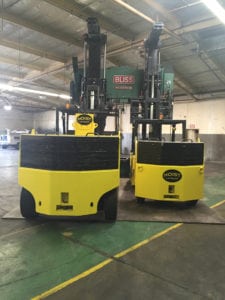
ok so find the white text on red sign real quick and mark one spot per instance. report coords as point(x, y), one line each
point(124, 79)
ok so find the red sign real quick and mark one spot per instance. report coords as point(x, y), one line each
point(123, 79)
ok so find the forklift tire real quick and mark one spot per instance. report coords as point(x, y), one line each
point(110, 205)
point(140, 200)
point(27, 205)
point(191, 203)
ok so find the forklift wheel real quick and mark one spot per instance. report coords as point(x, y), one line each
point(191, 203)
point(110, 205)
point(140, 200)
point(27, 204)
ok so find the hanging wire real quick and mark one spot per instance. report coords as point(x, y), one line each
point(19, 53)
point(12, 4)
point(2, 17)
point(3, 7)
point(64, 69)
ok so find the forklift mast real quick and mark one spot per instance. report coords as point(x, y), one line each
point(158, 82)
point(152, 73)
point(155, 108)
point(93, 94)
point(88, 90)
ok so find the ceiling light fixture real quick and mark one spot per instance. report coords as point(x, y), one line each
point(10, 88)
point(216, 9)
point(134, 10)
point(7, 107)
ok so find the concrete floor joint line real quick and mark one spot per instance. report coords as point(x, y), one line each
point(108, 261)
point(104, 263)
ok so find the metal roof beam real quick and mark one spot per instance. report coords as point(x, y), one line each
point(15, 97)
point(181, 83)
point(34, 75)
point(30, 50)
point(164, 13)
point(33, 67)
point(197, 26)
point(40, 28)
point(83, 12)
point(19, 64)
point(215, 68)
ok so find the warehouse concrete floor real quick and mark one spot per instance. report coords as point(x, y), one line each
point(48, 259)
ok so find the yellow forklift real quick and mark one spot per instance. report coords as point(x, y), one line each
point(162, 167)
point(75, 172)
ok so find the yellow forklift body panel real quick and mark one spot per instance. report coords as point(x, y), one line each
point(67, 193)
point(132, 168)
point(151, 182)
point(84, 124)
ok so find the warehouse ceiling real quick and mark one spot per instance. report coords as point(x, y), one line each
point(39, 38)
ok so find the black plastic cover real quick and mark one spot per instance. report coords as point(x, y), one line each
point(69, 153)
point(170, 153)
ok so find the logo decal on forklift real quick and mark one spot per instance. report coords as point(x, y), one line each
point(84, 119)
point(172, 175)
point(123, 79)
